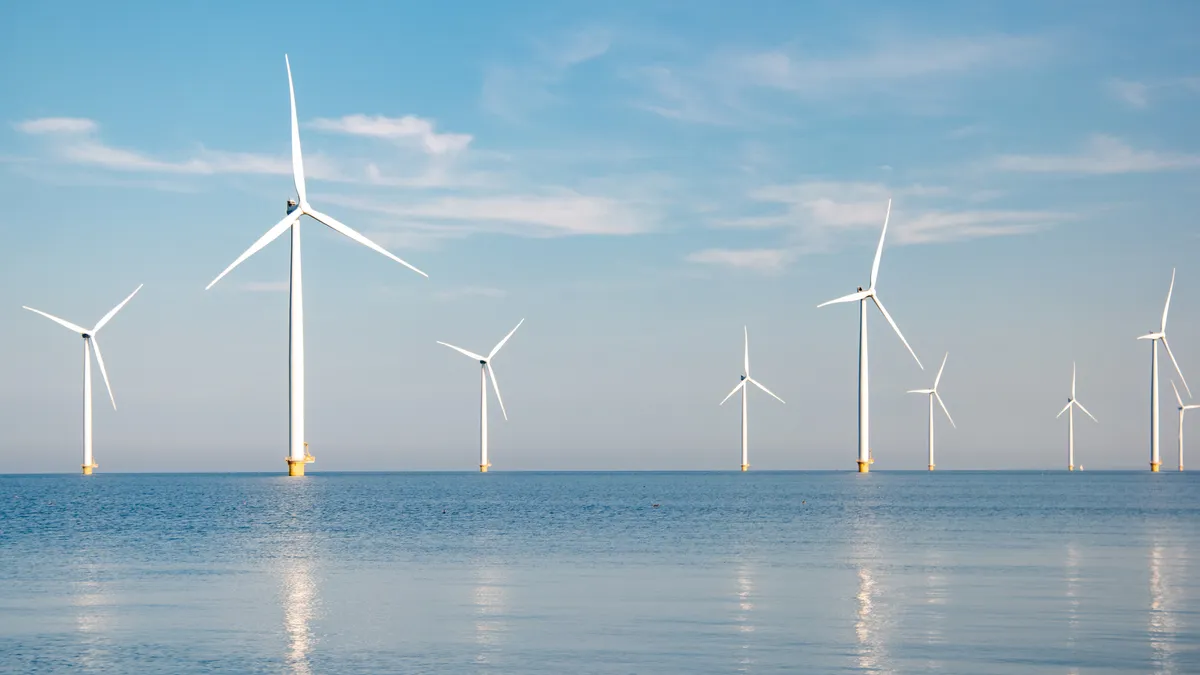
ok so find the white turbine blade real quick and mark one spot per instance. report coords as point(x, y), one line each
point(114, 310)
point(879, 249)
point(1065, 408)
point(920, 391)
point(760, 386)
point(747, 363)
point(496, 388)
point(1191, 406)
point(297, 160)
point(1181, 377)
point(500, 344)
point(1072, 381)
point(273, 233)
point(103, 372)
point(735, 390)
point(939, 375)
point(62, 322)
point(1167, 306)
point(460, 350)
point(341, 228)
point(941, 403)
point(845, 298)
point(879, 304)
point(1148, 336)
point(1085, 410)
point(1177, 396)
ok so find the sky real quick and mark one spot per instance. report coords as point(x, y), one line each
point(638, 181)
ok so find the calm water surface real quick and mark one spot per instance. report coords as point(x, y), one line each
point(582, 573)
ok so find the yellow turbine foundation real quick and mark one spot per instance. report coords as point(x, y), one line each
point(1154, 466)
point(931, 466)
point(1070, 467)
point(745, 467)
point(483, 468)
point(87, 469)
point(296, 466)
point(864, 467)
point(1181, 467)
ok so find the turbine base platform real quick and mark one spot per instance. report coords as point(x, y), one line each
point(1181, 467)
point(87, 468)
point(931, 466)
point(864, 467)
point(1070, 467)
point(1154, 466)
point(745, 467)
point(483, 468)
point(296, 466)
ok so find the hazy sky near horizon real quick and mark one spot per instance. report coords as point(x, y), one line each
point(638, 180)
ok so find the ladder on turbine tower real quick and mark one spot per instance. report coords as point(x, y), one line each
point(308, 459)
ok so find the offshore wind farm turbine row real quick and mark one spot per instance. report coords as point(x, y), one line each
point(298, 455)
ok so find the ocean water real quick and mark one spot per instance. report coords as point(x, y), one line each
point(950, 572)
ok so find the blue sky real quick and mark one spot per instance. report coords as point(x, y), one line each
point(638, 181)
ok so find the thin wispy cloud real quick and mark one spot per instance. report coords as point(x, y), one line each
point(263, 286)
point(470, 292)
point(406, 129)
point(1139, 94)
point(766, 260)
point(56, 125)
point(514, 91)
point(1101, 155)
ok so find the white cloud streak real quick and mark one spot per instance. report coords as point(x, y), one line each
point(1102, 154)
point(56, 125)
point(407, 129)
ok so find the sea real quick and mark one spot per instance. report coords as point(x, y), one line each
point(564, 573)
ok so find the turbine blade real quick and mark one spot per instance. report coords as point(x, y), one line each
point(62, 322)
point(341, 228)
point(845, 298)
point(1191, 406)
point(939, 375)
point(1148, 336)
point(735, 390)
point(920, 391)
point(1181, 377)
point(1065, 408)
point(746, 330)
point(500, 344)
point(1085, 411)
point(460, 350)
point(297, 160)
point(1072, 381)
point(943, 404)
point(103, 372)
point(1167, 306)
point(879, 249)
point(879, 304)
point(760, 386)
point(272, 234)
point(496, 388)
point(114, 310)
point(1177, 396)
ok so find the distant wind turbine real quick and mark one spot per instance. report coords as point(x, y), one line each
point(298, 453)
point(89, 344)
point(933, 393)
point(1154, 339)
point(1072, 403)
point(864, 413)
point(485, 371)
point(1182, 409)
point(742, 386)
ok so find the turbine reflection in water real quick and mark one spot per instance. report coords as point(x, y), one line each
point(489, 597)
point(1162, 617)
point(871, 619)
point(743, 618)
point(300, 600)
point(93, 619)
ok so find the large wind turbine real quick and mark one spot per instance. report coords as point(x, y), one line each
point(864, 412)
point(298, 454)
point(1154, 339)
point(485, 371)
point(1182, 409)
point(89, 344)
point(742, 386)
point(933, 393)
point(1072, 403)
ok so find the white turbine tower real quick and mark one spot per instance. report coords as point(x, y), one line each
point(1154, 339)
point(1072, 403)
point(485, 370)
point(933, 393)
point(298, 453)
point(744, 389)
point(1182, 409)
point(89, 344)
point(864, 412)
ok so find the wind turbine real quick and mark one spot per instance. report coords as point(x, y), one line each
point(864, 412)
point(933, 393)
point(485, 371)
point(1182, 409)
point(1154, 339)
point(1072, 403)
point(742, 386)
point(298, 450)
point(89, 344)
